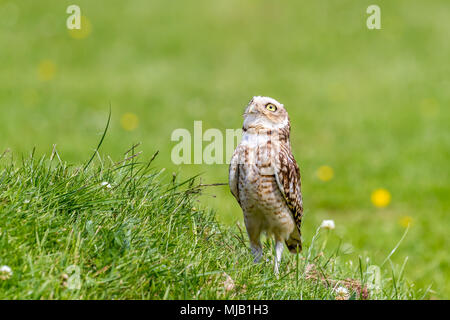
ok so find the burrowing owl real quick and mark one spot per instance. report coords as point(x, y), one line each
point(265, 179)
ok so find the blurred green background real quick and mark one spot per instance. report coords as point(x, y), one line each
point(369, 108)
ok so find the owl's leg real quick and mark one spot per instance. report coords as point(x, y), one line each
point(279, 246)
point(256, 250)
point(254, 234)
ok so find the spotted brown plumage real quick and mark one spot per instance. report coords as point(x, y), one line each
point(288, 180)
point(265, 179)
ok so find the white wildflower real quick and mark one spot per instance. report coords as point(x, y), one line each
point(341, 293)
point(327, 224)
point(106, 184)
point(5, 273)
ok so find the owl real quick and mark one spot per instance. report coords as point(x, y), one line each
point(265, 179)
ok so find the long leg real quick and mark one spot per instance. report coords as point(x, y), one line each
point(254, 233)
point(256, 251)
point(279, 246)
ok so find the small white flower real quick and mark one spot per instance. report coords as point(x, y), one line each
point(341, 293)
point(5, 273)
point(327, 224)
point(106, 184)
point(341, 290)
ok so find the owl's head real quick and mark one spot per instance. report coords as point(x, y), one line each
point(265, 113)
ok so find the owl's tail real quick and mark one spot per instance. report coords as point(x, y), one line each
point(294, 243)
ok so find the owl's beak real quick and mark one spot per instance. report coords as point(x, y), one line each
point(251, 109)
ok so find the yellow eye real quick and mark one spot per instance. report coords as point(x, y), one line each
point(271, 107)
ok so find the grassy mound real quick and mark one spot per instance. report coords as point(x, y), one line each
point(126, 231)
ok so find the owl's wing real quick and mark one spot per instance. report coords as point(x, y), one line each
point(233, 174)
point(287, 175)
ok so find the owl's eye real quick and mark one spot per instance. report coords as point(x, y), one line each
point(271, 107)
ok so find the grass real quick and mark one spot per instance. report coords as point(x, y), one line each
point(370, 104)
point(124, 230)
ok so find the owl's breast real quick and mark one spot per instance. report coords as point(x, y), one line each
point(259, 195)
point(258, 189)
